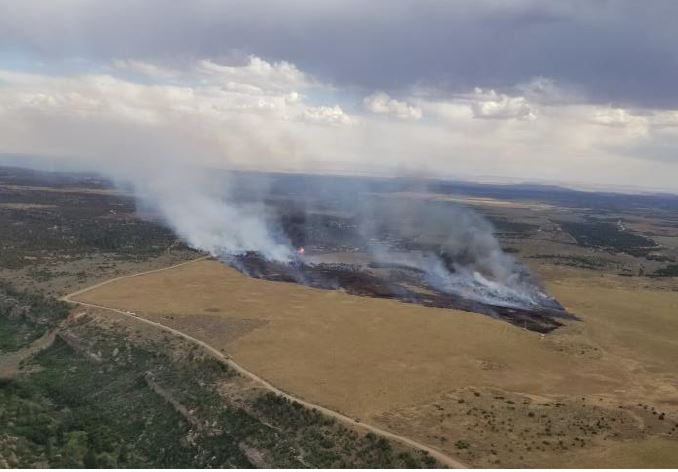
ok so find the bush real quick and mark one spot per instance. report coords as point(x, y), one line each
point(461, 444)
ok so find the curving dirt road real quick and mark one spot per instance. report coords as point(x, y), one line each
point(439, 456)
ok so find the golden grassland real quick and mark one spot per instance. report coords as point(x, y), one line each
point(381, 360)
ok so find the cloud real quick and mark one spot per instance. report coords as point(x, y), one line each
point(620, 52)
point(269, 115)
point(614, 117)
point(328, 115)
point(624, 121)
point(255, 72)
point(545, 90)
point(247, 116)
point(143, 68)
point(490, 104)
point(382, 104)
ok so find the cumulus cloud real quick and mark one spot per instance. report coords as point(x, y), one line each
point(267, 115)
point(490, 104)
point(381, 103)
point(329, 115)
point(257, 72)
point(624, 120)
point(616, 117)
point(457, 45)
point(249, 115)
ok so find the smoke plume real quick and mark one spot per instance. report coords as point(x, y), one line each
point(453, 246)
point(201, 209)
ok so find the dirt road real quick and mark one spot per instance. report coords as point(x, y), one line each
point(67, 298)
point(439, 456)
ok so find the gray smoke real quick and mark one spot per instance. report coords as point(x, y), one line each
point(199, 206)
point(454, 246)
point(229, 215)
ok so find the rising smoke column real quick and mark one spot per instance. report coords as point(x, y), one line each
point(453, 246)
point(199, 207)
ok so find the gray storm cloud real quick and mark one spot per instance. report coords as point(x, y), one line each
point(621, 51)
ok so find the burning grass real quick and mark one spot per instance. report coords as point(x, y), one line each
point(405, 283)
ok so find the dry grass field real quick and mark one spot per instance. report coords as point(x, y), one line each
point(603, 391)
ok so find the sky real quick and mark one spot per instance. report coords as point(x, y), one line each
point(575, 92)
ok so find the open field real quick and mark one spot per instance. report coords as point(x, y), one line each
point(375, 359)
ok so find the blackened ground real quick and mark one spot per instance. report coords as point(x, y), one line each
point(398, 284)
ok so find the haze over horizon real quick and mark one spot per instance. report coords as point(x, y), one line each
point(575, 92)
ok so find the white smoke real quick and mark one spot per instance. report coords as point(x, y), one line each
point(200, 209)
point(214, 226)
point(455, 248)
